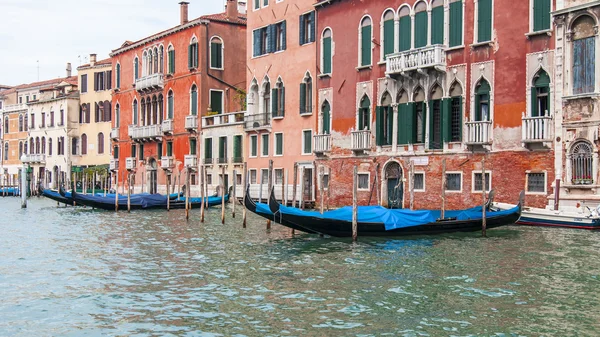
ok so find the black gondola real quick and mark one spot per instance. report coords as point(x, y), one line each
point(403, 222)
point(62, 198)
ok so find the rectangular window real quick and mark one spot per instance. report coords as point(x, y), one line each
point(208, 146)
point(216, 55)
point(278, 176)
point(256, 4)
point(237, 149)
point(169, 149)
point(325, 181)
point(252, 176)
point(43, 119)
point(307, 142)
point(260, 41)
point(536, 182)
point(238, 179)
point(456, 23)
point(115, 152)
point(264, 176)
point(419, 183)
point(584, 65)
point(484, 21)
point(159, 150)
point(141, 151)
point(477, 182)
point(265, 3)
point(84, 83)
point(253, 146)
point(279, 144)
point(265, 144)
point(51, 118)
point(32, 121)
point(280, 36)
point(209, 179)
point(454, 182)
point(456, 119)
point(307, 28)
point(223, 150)
point(216, 101)
point(541, 15)
point(363, 181)
point(133, 151)
point(193, 179)
point(437, 25)
point(34, 97)
point(193, 146)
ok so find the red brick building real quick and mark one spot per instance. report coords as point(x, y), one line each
point(422, 81)
point(164, 83)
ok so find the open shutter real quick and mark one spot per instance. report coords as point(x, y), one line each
point(460, 118)
point(274, 102)
point(360, 119)
point(282, 101)
point(379, 126)
point(411, 123)
point(477, 115)
point(400, 132)
point(311, 18)
point(366, 46)
point(256, 44)
point(390, 124)
point(590, 63)
point(405, 33)
point(284, 35)
point(534, 103)
point(109, 80)
point(437, 25)
point(388, 38)
point(302, 98)
point(271, 38)
point(431, 126)
point(190, 57)
point(446, 120)
point(302, 30)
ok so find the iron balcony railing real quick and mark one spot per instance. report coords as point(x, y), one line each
point(207, 161)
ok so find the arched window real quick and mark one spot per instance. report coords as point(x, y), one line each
point(194, 101)
point(437, 22)
point(584, 55)
point(193, 54)
point(43, 145)
point(150, 63)
point(154, 114)
point(145, 63)
point(436, 134)
point(326, 118)
point(136, 68)
point(252, 98)
point(38, 147)
point(456, 113)
point(118, 76)
point(540, 95)
point(581, 163)
point(326, 51)
point(306, 95)
point(421, 24)
point(25, 125)
point(418, 126)
point(155, 60)
point(20, 125)
point(278, 99)
point(31, 145)
point(365, 37)
point(170, 105)
point(100, 143)
point(20, 149)
point(162, 59)
point(135, 112)
point(24, 148)
point(482, 101)
point(6, 151)
point(171, 57)
point(364, 114)
point(266, 97)
point(49, 146)
point(83, 144)
point(161, 109)
point(404, 35)
point(388, 33)
point(117, 116)
point(216, 53)
point(384, 121)
point(143, 104)
point(6, 129)
point(75, 146)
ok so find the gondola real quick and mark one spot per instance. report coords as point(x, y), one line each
point(379, 221)
point(9, 191)
point(263, 210)
point(57, 196)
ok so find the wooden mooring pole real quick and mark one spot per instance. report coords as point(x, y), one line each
point(128, 192)
point(223, 194)
point(321, 187)
point(270, 187)
point(116, 191)
point(187, 193)
point(294, 187)
point(203, 195)
point(233, 194)
point(354, 204)
point(245, 176)
point(168, 194)
point(443, 215)
point(483, 220)
point(412, 184)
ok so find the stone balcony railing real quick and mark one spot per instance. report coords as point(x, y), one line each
point(257, 121)
point(536, 129)
point(361, 140)
point(167, 162)
point(114, 164)
point(14, 107)
point(190, 160)
point(114, 133)
point(167, 126)
point(150, 82)
point(479, 133)
point(414, 59)
point(130, 163)
point(146, 132)
point(322, 144)
point(191, 122)
point(231, 118)
point(33, 158)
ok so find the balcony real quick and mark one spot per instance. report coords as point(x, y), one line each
point(167, 126)
point(479, 133)
point(237, 160)
point(34, 158)
point(207, 161)
point(150, 82)
point(114, 134)
point(145, 133)
point(259, 121)
point(222, 161)
point(114, 164)
point(167, 162)
point(416, 59)
point(361, 140)
point(190, 160)
point(322, 144)
point(191, 122)
point(14, 107)
point(536, 129)
point(130, 163)
point(227, 119)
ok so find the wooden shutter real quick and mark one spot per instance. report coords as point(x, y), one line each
point(541, 15)
point(326, 120)
point(484, 21)
point(282, 101)
point(194, 103)
point(256, 42)
point(390, 125)
point(208, 148)
point(477, 108)
point(534, 102)
point(388, 38)
point(88, 112)
point(311, 18)
point(379, 126)
point(590, 63)
point(456, 23)
point(190, 57)
point(216, 101)
point(118, 76)
point(109, 80)
point(279, 144)
point(237, 147)
point(411, 127)
point(307, 142)
point(578, 66)
point(431, 124)
point(170, 107)
point(284, 37)
point(95, 81)
point(213, 55)
point(302, 98)
point(446, 120)
point(437, 25)
point(360, 119)
point(302, 30)
point(327, 55)
point(274, 102)
point(365, 46)
point(404, 35)
point(421, 28)
point(169, 149)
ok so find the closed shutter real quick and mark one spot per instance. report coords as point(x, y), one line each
point(88, 112)
point(256, 44)
point(546, 17)
point(484, 21)
point(421, 29)
point(208, 148)
point(541, 15)
point(170, 107)
point(311, 18)
point(411, 123)
point(237, 147)
point(307, 142)
point(590, 63)
point(109, 80)
point(118, 76)
point(274, 102)
point(302, 30)
point(194, 103)
point(159, 150)
point(456, 23)
point(107, 112)
point(302, 98)
point(405, 34)
point(401, 121)
point(222, 147)
point(326, 120)
point(460, 121)
point(190, 57)
point(431, 124)
point(437, 25)
point(284, 36)
point(116, 152)
point(390, 125)
point(388, 38)
point(282, 101)
point(216, 101)
point(213, 55)
point(477, 108)
point(279, 144)
point(169, 149)
point(379, 125)
point(366, 46)
point(446, 120)
point(327, 55)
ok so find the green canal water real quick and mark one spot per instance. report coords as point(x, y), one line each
point(80, 272)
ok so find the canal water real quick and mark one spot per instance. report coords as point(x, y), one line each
point(81, 272)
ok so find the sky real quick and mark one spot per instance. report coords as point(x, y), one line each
point(57, 32)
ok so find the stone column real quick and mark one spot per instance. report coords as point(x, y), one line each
point(396, 39)
point(395, 128)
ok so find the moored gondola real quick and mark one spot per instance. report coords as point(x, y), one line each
point(379, 221)
point(57, 196)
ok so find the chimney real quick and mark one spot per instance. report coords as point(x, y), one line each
point(69, 69)
point(184, 12)
point(92, 59)
point(232, 9)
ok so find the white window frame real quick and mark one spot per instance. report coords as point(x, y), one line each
point(532, 18)
point(275, 144)
point(275, 176)
point(254, 7)
point(475, 30)
point(424, 183)
point(262, 146)
point(462, 181)
point(262, 174)
point(210, 100)
point(487, 172)
point(250, 147)
point(359, 66)
point(222, 53)
point(368, 181)
point(190, 102)
point(250, 176)
point(311, 142)
point(322, 54)
point(527, 173)
point(381, 33)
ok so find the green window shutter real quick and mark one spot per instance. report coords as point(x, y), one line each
point(327, 55)
point(169, 149)
point(456, 22)
point(307, 142)
point(222, 147)
point(534, 102)
point(547, 10)
point(379, 126)
point(213, 56)
point(190, 57)
point(302, 30)
point(274, 102)
point(141, 151)
point(194, 103)
point(216, 101)
point(366, 46)
point(484, 21)
point(118, 84)
point(388, 38)
point(411, 123)
point(136, 69)
point(237, 147)
point(360, 119)
point(541, 15)
point(208, 148)
point(400, 132)
point(477, 108)
point(421, 29)
point(424, 128)
point(256, 44)
point(282, 101)
point(311, 17)
point(390, 124)
point(302, 98)
point(326, 120)
point(279, 144)
point(460, 119)
point(284, 35)
point(133, 151)
point(431, 126)
point(254, 146)
point(170, 107)
point(437, 25)
point(446, 120)
point(159, 150)
point(404, 35)
point(193, 146)
point(271, 38)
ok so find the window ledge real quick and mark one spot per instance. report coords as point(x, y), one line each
point(277, 117)
point(211, 68)
point(306, 114)
point(364, 67)
point(536, 193)
point(382, 63)
point(482, 44)
point(578, 96)
point(324, 75)
point(259, 56)
point(539, 32)
point(462, 46)
point(307, 43)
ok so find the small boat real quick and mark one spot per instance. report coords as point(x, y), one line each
point(57, 196)
point(9, 191)
point(380, 221)
point(568, 218)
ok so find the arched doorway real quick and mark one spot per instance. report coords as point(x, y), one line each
point(153, 176)
point(394, 187)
